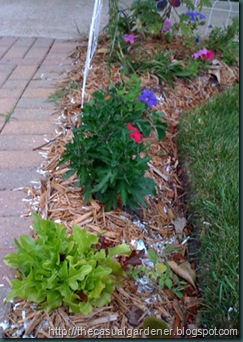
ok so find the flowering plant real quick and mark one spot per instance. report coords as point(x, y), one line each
point(107, 152)
point(204, 53)
point(148, 98)
point(135, 135)
point(224, 41)
point(129, 38)
point(189, 22)
point(193, 16)
point(167, 25)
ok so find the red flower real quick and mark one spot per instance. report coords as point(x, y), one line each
point(208, 56)
point(135, 135)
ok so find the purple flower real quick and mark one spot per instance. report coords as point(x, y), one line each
point(148, 98)
point(167, 25)
point(204, 53)
point(199, 53)
point(193, 15)
point(197, 40)
point(129, 38)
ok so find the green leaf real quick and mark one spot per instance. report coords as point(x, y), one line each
point(84, 308)
point(83, 239)
point(26, 289)
point(185, 30)
point(161, 268)
point(161, 283)
point(68, 174)
point(123, 195)
point(156, 325)
point(52, 281)
point(99, 286)
point(54, 300)
point(102, 300)
point(102, 183)
point(152, 256)
point(122, 249)
point(168, 283)
point(75, 275)
point(12, 260)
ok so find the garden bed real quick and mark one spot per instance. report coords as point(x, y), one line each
point(162, 226)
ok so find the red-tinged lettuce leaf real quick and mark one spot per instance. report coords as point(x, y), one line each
point(134, 259)
point(103, 243)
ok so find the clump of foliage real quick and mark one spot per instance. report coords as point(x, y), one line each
point(79, 270)
point(158, 326)
point(109, 160)
point(147, 19)
point(62, 91)
point(161, 65)
point(224, 41)
point(159, 274)
point(145, 16)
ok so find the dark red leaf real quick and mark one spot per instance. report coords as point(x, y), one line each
point(103, 244)
point(134, 259)
point(82, 296)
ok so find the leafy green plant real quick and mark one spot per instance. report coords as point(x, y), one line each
point(79, 270)
point(108, 159)
point(56, 96)
point(195, 66)
point(160, 65)
point(62, 91)
point(120, 23)
point(158, 325)
point(188, 24)
point(223, 40)
point(146, 17)
point(230, 53)
point(163, 276)
point(160, 274)
point(143, 21)
point(6, 118)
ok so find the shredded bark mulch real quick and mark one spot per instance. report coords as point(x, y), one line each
point(162, 223)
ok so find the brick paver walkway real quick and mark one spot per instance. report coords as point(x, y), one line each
point(29, 70)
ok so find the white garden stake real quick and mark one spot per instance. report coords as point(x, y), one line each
point(92, 44)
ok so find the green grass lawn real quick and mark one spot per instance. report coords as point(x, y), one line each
point(208, 142)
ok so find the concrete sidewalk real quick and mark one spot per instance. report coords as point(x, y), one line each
point(29, 69)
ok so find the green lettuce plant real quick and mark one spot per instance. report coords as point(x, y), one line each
point(106, 151)
point(79, 270)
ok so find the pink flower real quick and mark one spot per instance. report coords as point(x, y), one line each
point(204, 53)
point(129, 38)
point(208, 56)
point(167, 25)
point(135, 135)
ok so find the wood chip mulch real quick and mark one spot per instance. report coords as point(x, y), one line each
point(165, 218)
